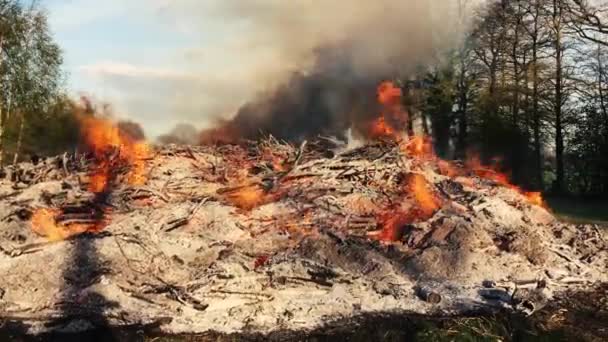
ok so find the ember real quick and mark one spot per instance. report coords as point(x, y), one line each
point(246, 197)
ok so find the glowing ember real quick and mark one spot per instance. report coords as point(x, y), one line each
point(391, 225)
point(247, 197)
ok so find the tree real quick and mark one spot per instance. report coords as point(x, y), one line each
point(30, 68)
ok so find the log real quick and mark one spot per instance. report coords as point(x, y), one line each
point(428, 295)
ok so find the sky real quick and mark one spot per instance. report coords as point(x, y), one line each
point(165, 62)
point(158, 62)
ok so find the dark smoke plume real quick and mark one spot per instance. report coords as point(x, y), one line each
point(335, 89)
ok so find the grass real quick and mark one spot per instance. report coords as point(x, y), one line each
point(579, 210)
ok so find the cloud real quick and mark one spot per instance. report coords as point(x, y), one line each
point(159, 97)
point(228, 51)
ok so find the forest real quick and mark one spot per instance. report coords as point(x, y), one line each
point(526, 90)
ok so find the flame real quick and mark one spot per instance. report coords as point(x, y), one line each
point(391, 225)
point(111, 149)
point(393, 117)
point(426, 200)
point(389, 94)
point(111, 146)
point(44, 224)
point(277, 162)
point(447, 169)
point(379, 128)
point(535, 198)
point(420, 146)
point(491, 173)
point(247, 197)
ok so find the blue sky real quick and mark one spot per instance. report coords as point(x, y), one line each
point(151, 59)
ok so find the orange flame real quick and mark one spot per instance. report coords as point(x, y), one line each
point(535, 198)
point(389, 94)
point(393, 116)
point(391, 226)
point(426, 200)
point(418, 146)
point(447, 169)
point(392, 222)
point(110, 145)
point(381, 129)
point(247, 197)
point(491, 173)
point(44, 224)
point(111, 148)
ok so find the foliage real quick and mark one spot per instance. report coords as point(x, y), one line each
point(529, 87)
point(30, 80)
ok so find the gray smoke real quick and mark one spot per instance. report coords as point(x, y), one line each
point(340, 51)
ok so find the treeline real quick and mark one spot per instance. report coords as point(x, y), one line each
point(35, 114)
point(529, 87)
point(37, 117)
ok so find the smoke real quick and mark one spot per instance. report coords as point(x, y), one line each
point(328, 58)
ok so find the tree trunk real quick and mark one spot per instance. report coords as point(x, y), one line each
point(604, 112)
point(462, 110)
point(461, 143)
point(536, 120)
point(516, 157)
point(2, 121)
point(19, 139)
point(538, 156)
point(559, 134)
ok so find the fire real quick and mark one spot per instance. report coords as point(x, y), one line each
point(487, 172)
point(418, 146)
point(535, 198)
point(111, 148)
point(392, 222)
point(447, 169)
point(426, 200)
point(391, 225)
point(277, 162)
point(247, 197)
point(44, 224)
point(389, 94)
point(393, 116)
point(381, 129)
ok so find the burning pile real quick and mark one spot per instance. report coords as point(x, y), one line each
point(266, 236)
point(112, 150)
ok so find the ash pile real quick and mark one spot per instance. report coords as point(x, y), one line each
point(267, 236)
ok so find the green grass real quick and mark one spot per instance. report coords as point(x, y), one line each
point(579, 210)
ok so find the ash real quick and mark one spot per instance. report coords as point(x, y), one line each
point(266, 236)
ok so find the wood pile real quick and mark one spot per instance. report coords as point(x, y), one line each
point(267, 236)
